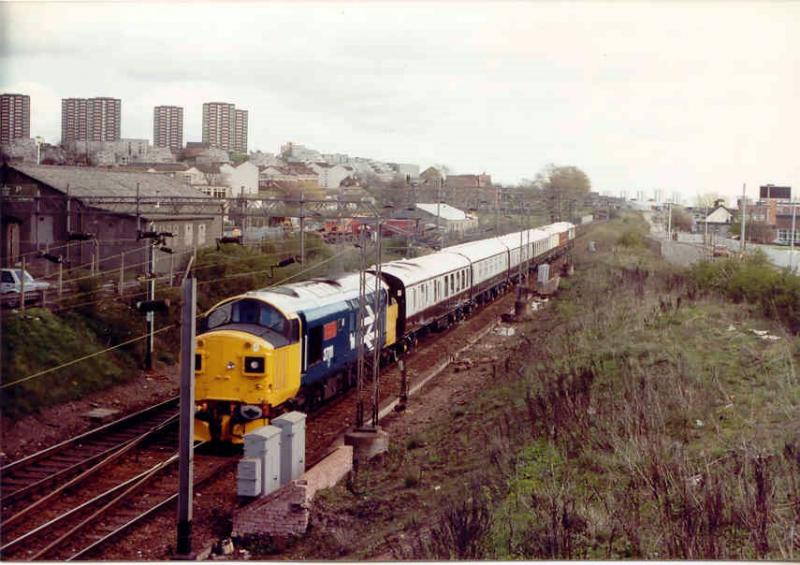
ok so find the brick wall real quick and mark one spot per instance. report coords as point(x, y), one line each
point(285, 512)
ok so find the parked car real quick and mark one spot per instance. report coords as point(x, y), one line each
point(11, 285)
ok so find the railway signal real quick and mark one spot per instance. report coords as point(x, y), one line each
point(79, 236)
point(157, 240)
point(146, 306)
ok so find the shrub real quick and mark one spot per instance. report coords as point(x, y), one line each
point(752, 280)
point(630, 238)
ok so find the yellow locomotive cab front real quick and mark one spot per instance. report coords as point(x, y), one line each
point(240, 377)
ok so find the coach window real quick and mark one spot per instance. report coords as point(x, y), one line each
point(452, 283)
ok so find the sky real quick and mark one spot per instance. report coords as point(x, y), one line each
point(687, 97)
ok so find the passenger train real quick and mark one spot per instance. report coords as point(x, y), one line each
point(294, 346)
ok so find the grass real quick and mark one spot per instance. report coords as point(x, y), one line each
point(39, 340)
point(646, 421)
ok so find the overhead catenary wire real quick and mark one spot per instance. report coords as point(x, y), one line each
point(163, 329)
point(73, 296)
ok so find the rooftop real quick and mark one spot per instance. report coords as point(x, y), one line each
point(89, 182)
point(445, 211)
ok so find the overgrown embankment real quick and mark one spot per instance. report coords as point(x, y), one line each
point(92, 320)
point(639, 418)
point(41, 339)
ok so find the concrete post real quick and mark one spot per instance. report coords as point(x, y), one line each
point(186, 430)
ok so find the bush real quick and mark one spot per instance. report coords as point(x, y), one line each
point(630, 238)
point(754, 281)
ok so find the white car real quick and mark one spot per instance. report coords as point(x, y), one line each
point(11, 281)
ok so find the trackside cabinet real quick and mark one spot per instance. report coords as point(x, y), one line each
point(264, 444)
point(293, 445)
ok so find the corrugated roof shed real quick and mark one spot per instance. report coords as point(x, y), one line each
point(446, 212)
point(85, 182)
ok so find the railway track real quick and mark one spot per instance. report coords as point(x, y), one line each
point(79, 455)
point(83, 476)
point(325, 425)
point(82, 525)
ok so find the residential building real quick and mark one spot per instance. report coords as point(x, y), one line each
point(717, 220)
point(468, 181)
point(198, 153)
point(240, 132)
point(15, 117)
point(431, 177)
point(296, 153)
point(330, 176)
point(36, 216)
point(772, 192)
point(93, 119)
point(291, 172)
point(224, 126)
point(120, 152)
point(406, 170)
point(168, 127)
point(291, 180)
point(336, 158)
point(242, 178)
point(206, 178)
point(261, 159)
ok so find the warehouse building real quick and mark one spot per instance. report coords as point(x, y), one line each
point(91, 217)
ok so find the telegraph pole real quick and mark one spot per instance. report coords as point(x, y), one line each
point(378, 334)
point(743, 242)
point(438, 212)
point(186, 432)
point(669, 222)
point(362, 306)
point(302, 230)
point(791, 244)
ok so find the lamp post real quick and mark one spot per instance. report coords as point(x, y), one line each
point(39, 141)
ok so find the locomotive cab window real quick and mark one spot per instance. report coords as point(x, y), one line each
point(254, 314)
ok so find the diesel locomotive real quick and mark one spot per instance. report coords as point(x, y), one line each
point(294, 346)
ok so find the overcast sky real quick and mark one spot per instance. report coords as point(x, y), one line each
point(688, 97)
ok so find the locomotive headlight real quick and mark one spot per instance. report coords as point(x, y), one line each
point(230, 365)
point(254, 365)
point(251, 411)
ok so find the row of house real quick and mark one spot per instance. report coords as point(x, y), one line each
point(771, 218)
point(95, 216)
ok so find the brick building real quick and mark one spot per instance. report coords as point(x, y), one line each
point(45, 208)
point(92, 119)
point(224, 126)
point(168, 127)
point(15, 117)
